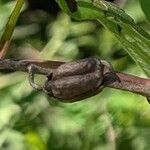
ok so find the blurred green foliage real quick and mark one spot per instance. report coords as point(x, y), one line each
point(30, 120)
point(145, 6)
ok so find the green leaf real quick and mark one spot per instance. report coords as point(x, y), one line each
point(132, 37)
point(11, 22)
point(145, 4)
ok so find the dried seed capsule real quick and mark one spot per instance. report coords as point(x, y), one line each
point(77, 80)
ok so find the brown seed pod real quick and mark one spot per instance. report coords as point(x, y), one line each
point(76, 80)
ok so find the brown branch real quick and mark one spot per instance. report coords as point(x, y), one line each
point(132, 84)
point(22, 65)
point(126, 82)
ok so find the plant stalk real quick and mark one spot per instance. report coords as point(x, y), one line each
point(132, 84)
point(126, 82)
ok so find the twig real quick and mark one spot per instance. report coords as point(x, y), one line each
point(132, 84)
point(126, 82)
point(22, 65)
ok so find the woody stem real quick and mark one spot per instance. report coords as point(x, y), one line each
point(126, 82)
point(132, 83)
